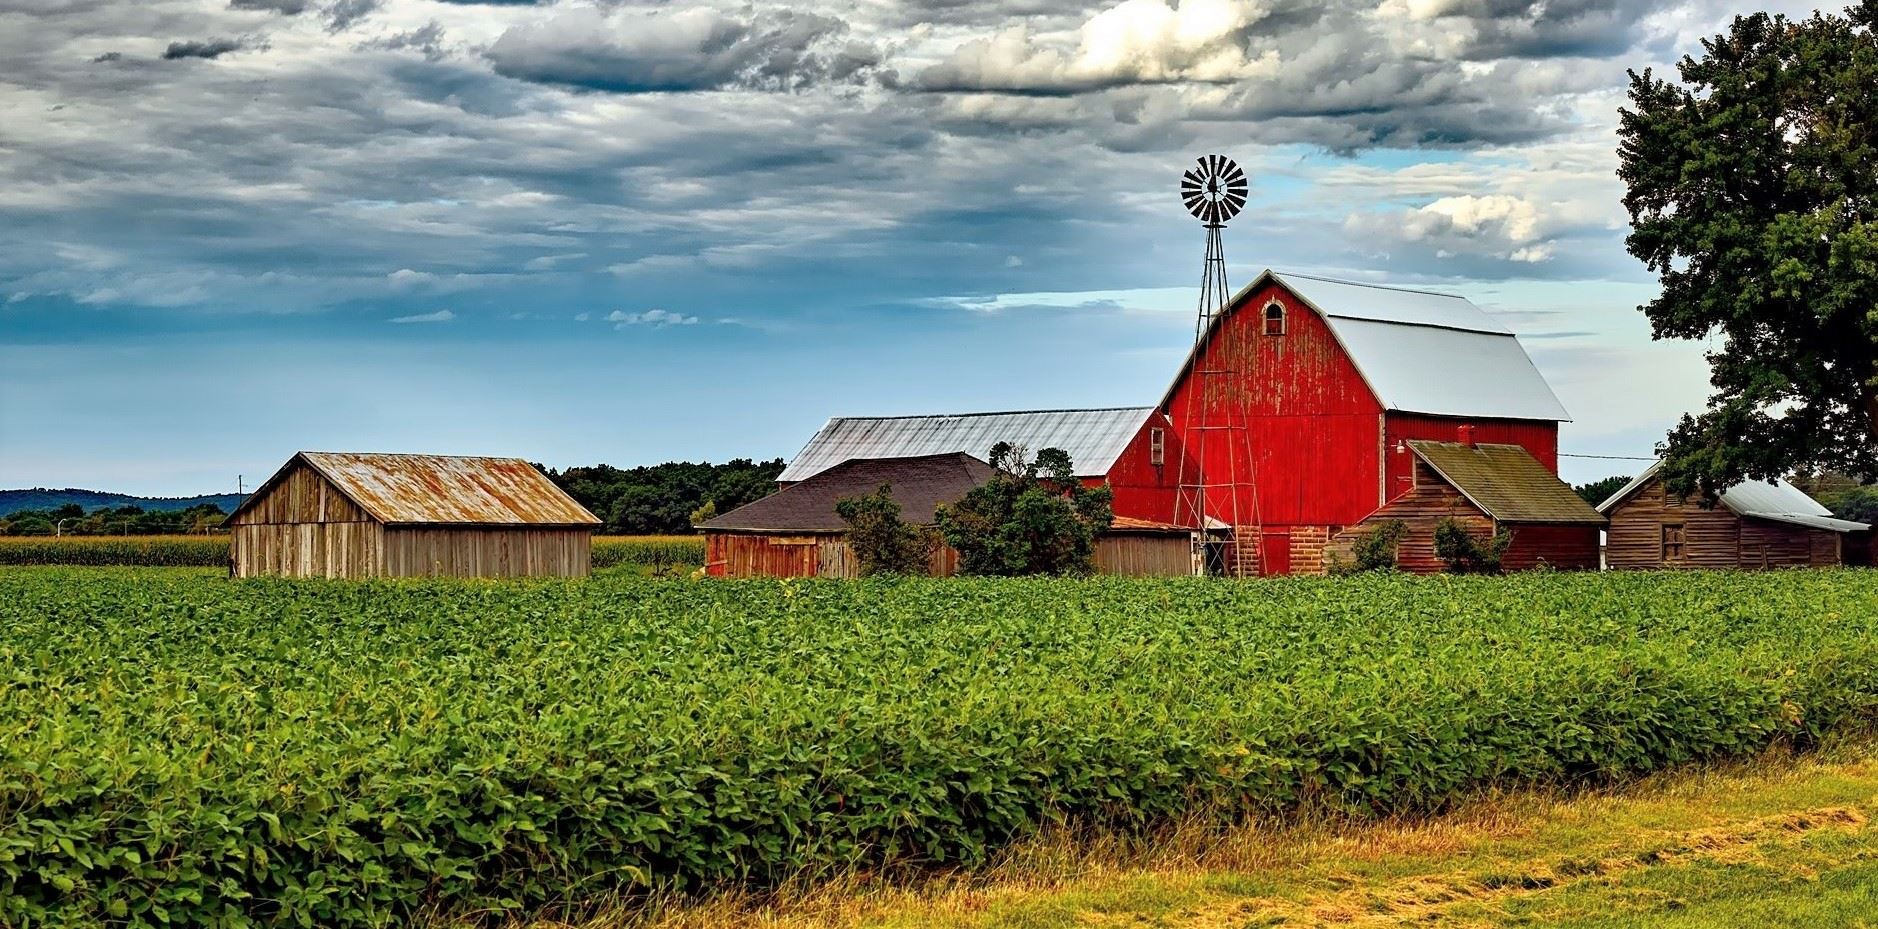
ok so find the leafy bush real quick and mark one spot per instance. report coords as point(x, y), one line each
point(183, 748)
point(884, 543)
point(1032, 517)
point(648, 551)
point(1373, 549)
point(174, 551)
point(1466, 554)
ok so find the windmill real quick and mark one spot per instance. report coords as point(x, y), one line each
point(1214, 191)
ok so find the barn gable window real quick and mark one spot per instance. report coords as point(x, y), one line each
point(1672, 542)
point(1157, 447)
point(1274, 318)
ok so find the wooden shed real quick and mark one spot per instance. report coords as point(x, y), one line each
point(1486, 487)
point(1758, 524)
point(343, 514)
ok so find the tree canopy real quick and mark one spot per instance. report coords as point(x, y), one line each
point(662, 499)
point(1033, 517)
point(1753, 196)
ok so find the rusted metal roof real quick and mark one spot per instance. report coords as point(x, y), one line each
point(1131, 524)
point(1777, 501)
point(1420, 351)
point(1093, 438)
point(1506, 482)
point(441, 489)
point(919, 485)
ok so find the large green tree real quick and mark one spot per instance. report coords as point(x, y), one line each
point(1753, 195)
point(1032, 517)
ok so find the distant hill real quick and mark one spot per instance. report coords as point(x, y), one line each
point(39, 498)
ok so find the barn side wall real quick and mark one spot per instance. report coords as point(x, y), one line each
point(343, 549)
point(1564, 546)
point(1711, 536)
point(303, 526)
point(1143, 489)
point(1428, 502)
point(818, 554)
point(487, 551)
point(1144, 554)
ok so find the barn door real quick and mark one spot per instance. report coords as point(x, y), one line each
point(1275, 552)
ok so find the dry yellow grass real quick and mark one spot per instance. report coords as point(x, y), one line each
point(1778, 840)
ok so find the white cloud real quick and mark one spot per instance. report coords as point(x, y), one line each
point(439, 316)
point(657, 319)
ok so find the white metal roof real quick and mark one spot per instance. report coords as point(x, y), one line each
point(1423, 352)
point(1777, 501)
point(1093, 438)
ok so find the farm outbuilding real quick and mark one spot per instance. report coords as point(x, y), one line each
point(1486, 488)
point(343, 514)
point(1756, 524)
point(796, 532)
point(1291, 420)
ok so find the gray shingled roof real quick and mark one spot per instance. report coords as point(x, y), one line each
point(1777, 501)
point(1506, 482)
point(920, 484)
point(1093, 438)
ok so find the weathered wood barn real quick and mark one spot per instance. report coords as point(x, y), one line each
point(1753, 525)
point(338, 514)
point(1291, 418)
point(1487, 488)
point(796, 532)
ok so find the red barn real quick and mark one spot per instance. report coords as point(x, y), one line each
point(1300, 400)
point(1291, 419)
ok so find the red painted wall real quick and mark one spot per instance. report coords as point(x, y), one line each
point(1306, 432)
point(1143, 489)
point(1566, 547)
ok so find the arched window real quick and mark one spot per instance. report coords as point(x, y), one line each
point(1274, 318)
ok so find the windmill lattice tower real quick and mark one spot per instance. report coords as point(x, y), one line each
point(1221, 488)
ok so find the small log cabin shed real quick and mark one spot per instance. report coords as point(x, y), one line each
point(348, 514)
point(796, 532)
point(1486, 488)
point(1757, 524)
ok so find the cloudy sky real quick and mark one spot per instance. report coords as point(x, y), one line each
point(625, 232)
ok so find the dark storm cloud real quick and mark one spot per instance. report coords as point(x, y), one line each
point(341, 15)
point(1550, 28)
point(683, 50)
point(210, 48)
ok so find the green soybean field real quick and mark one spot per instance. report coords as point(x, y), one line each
point(177, 747)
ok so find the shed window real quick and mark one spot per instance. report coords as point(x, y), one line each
point(1672, 542)
point(1157, 447)
point(1274, 318)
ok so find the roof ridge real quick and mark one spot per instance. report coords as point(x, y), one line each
point(1338, 280)
point(1079, 409)
point(418, 455)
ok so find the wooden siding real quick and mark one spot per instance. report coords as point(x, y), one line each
point(1566, 547)
point(473, 551)
point(313, 549)
point(1141, 554)
point(750, 554)
point(303, 496)
point(1712, 537)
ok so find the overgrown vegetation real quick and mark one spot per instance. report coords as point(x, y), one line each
point(882, 541)
point(665, 499)
point(1466, 553)
point(1373, 549)
point(187, 749)
point(1032, 517)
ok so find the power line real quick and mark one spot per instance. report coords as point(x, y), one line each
point(1607, 457)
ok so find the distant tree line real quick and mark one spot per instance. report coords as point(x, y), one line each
point(72, 519)
point(667, 498)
